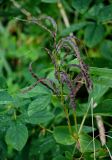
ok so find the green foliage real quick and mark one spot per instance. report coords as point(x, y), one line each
point(106, 49)
point(93, 34)
point(104, 108)
point(63, 136)
point(16, 136)
point(33, 122)
point(105, 14)
point(49, 1)
point(81, 6)
point(86, 143)
point(5, 98)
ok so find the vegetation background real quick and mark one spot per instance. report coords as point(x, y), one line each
point(44, 135)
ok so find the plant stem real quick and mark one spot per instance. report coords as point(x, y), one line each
point(92, 106)
point(65, 110)
point(75, 121)
point(84, 118)
point(67, 24)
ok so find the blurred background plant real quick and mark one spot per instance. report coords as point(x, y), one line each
point(21, 43)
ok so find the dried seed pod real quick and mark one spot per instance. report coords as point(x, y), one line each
point(31, 87)
point(65, 79)
point(32, 73)
point(41, 80)
point(61, 74)
point(74, 65)
point(52, 21)
point(70, 40)
point(52, 57)
point(72, 100)
point(39, 21)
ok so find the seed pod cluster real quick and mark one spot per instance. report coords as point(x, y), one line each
point(62, 74)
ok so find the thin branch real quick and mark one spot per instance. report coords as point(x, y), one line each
point(24, 11)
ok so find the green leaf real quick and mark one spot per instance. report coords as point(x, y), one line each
point(86, 129)
point(63, 136)
point(3, 84)
point(86, 143)
point(97, 92)
point(105, 81)
point(67, 6)
point(40, 103)
point(3, 109)
point(68, 155)
point(105, 72)
point(106, 49)
point(101, 76)
point(43, 144)
point(59, 157)
point(93, 34)
point(99, 72)
point(94, 11)
point(49, 1)
point(16, 136)
point(5, 98)
point(40, 117)
point(73, 28)
point(37, 90)
point(5, 121)
point(81, 5)
point(100, 12)
point(105, 13)
point(104, 108)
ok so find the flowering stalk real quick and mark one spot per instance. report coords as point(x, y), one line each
point(62, 72)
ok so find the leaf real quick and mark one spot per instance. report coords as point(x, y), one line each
point(40, 103)
point(3, 109)
point(16, 136)
point(101, 72)
point(37, 90)
point(86, 143)
point(100, 12)
point(3, 84)
point(73, 28)
point(49, 1)
point(59, 157)
point(81, 109)
point(105, 13)
point(97, 92)
point(42, 145)
point(67, 6)
point(105, 72)
point(106, 49)
point(40, 117)
point(5, 98)
point(5, 121)
point(105, 81)
point(104, 108)
point(94, 11)
point(93, 34)
point(63, 136)
point(81, 5)
point(101, 76)
point(86, 129)
point(68, 155)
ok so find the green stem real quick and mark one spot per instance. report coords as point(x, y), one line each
point(65, 110)
point(75, 121)
point(84, 118)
